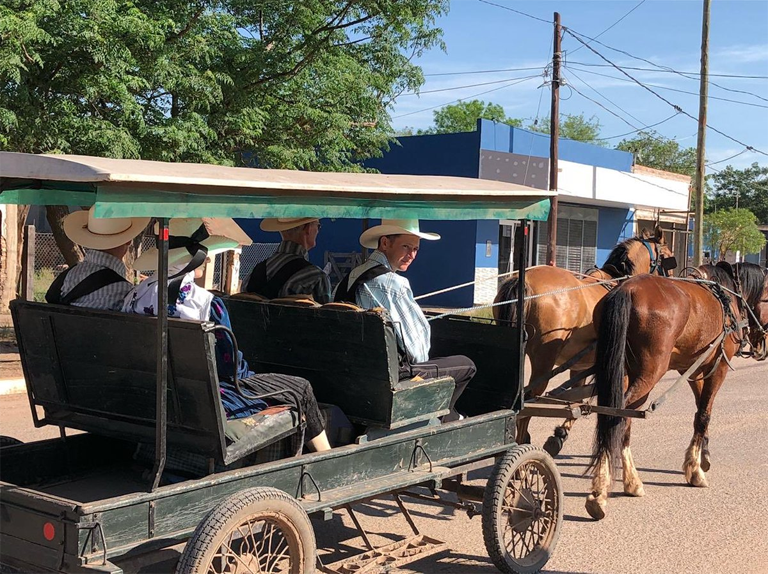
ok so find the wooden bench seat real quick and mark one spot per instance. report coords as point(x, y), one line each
point(349, 356)
point(96, 371)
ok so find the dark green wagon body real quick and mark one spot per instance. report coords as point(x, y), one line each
point(100, 509)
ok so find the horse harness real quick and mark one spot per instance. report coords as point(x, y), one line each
point(659, 264)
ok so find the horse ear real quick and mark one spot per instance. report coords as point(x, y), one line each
point(644, 233)
point(659, 232)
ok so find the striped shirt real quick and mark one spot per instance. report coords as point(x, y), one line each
point(393, 292)
point(109, 297)
point(308, 281)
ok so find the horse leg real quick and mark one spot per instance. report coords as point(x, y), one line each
point(695, 459)
point(635, 397)
point(555, 443)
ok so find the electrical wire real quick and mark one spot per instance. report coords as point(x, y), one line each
point(614, 24)
point(639, 130)
point(668, 70)
point(516, 11)
point(468, 72)
point(467, 97)
point(662, 98)
point(464, 86)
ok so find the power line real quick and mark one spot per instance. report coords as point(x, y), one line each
point(571, 68)
point(464, 86)
point(662, 98)
point(516, 11)
point(672, 71)
point(614, 24)
point(520, 81)
point(641, 129)
point(604, 97)
point(745, 150)
point(468, 72)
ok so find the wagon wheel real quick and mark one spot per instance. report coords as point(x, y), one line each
point(9, 441)
point(256, 530)
point(522, 510)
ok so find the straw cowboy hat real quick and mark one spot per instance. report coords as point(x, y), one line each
point(285, 223)
point(92, 232)
point(370, 237)
point(213, 234)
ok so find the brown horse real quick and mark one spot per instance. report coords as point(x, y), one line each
point(650, 325)
point(560, 325)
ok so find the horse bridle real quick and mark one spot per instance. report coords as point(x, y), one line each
point(659, 264)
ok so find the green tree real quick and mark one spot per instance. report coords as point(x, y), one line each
point(295, 84)
point(730, 230)
point(656, 151)
point(746, 188)
point(463, 116)
point(572, 127)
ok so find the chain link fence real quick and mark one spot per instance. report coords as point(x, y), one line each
point(251, 256)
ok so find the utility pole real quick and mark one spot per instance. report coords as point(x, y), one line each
point(698, 224)
point(554, 134)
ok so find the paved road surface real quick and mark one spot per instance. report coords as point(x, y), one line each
point(674, 529)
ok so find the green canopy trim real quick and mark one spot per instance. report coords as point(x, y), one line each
point(124, 202)
point(48, 197)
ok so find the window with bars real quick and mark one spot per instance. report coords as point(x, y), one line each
point(576, 239)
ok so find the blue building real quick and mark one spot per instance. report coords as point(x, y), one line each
point(603, 199)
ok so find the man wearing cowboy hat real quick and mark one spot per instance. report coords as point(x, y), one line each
point(376, 283)
point(287, 271)
point(99, 280)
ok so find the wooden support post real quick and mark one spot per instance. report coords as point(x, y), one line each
point(230, 274)
point(699, 181)
point(554, 135)
point(28, 264)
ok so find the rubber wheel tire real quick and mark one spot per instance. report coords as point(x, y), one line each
point(9, 441)
point(270, 507)
point(525, 481)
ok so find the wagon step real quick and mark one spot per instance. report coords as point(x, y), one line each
point(385, 558)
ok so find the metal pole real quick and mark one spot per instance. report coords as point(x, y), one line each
point(521, 250)
point(28, 264)
point(554, 134)
point(698, 224)
point(161, 410)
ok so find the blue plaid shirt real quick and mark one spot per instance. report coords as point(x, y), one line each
point(393, 292)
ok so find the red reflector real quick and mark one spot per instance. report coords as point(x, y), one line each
point(165, 234)
point(525, 230)
point(49, 531)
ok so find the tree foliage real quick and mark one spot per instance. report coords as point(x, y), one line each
point(656, 151)
point(745, 188)
point(572, 127)
point(463, 116)
point(300, 84)
point(730, 230)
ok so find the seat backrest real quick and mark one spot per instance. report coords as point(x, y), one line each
point(95, 371)
point(350, 357)
point(493, 350)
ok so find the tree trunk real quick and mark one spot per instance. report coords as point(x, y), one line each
point(55, 214)
point(10, 253)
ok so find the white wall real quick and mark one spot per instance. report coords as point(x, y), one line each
point(608, 186)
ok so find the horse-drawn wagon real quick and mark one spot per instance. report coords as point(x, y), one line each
point(242, 492)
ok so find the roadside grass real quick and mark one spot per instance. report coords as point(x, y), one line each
point(42, 281)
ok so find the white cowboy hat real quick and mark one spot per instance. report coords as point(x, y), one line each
point(85, 229)
point(285, 223)
point(216, 233)
point(370, 237)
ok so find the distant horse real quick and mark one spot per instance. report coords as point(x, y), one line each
point(560, 325)
point(650, 325)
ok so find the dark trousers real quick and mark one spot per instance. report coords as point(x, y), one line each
point(461, 368)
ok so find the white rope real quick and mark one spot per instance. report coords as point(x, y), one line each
point(528, 298)
point(494, 278)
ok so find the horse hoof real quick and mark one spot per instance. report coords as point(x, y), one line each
point(699, 480)
point(636, 490)
point(553, 446)
point(595, 507)
point(705, 464)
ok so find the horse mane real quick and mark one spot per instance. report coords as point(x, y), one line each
point(719, 275)
point(619, 260)
point(752, 278)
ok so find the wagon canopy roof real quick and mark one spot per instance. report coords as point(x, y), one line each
point(129, 188)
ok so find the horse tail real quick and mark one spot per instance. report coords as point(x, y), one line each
point(611, 355)
point(507, 314)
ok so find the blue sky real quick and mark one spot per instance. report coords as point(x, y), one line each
point(480, 36)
